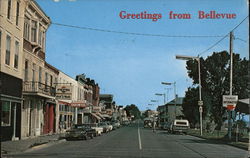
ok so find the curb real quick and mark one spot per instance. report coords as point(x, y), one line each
point(227, 143)
point(44, 145)
point(33, 147)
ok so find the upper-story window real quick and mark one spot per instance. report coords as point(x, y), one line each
point(9, 9)
point(17, 12)
point(7, 54)
point(26, 70)
point(40, 75)
point(0, 39)
point(16, 55)
point(27, 28)
point(34, 31)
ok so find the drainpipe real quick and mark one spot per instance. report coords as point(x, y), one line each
point(14, 123)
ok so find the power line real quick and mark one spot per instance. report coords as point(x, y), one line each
point(223, 37)
point(133, 33)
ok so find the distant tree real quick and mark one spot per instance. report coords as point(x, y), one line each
point(215, 83)
point(132, 110)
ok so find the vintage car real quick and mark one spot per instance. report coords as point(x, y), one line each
point(98, 129)
point(106, 127)
point(80, 131)
point(116, 124)
point(180, 126)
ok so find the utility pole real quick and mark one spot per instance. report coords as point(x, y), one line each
point(231, 84)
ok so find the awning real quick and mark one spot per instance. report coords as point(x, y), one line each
point(106, 115)
point(100, 115)
point(243, 106)
point(96, 116)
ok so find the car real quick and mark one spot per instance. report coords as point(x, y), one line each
point(116, 124)
point(79, 132)
point(98, 129)
point(180, 126)
point(105, 126)
point(167, 126)
point(110, 126)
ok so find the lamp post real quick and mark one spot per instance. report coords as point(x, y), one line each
point(174, 83)
point(164, 97)
point(200, 102)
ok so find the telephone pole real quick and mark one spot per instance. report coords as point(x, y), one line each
point(231, 84)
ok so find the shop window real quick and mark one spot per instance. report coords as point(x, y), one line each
point(6, 113)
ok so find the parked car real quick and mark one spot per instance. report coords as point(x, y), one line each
point(80, 132)
point(167, 126)
point(105, 126)
point(98, 129)
point(180, 126)
point(110, 126)
point(116, 124)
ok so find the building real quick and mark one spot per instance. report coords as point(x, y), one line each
point(70, 95)
point(11, 54)
point(39, 77)
point(171, 110)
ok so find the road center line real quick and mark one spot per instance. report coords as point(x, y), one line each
point(139, 137)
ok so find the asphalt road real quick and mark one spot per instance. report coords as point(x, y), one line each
point(134, 142)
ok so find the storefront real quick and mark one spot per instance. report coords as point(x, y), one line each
point(11, 101)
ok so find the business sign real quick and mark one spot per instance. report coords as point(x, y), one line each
point(64, 92)
point(230, 101)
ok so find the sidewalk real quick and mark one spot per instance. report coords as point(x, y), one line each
point(8, 147)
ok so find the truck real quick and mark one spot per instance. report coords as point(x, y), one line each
point(180, 126)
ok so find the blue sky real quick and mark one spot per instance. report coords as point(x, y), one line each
point(132, 67)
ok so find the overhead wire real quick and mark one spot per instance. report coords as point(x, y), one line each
point(222, 37)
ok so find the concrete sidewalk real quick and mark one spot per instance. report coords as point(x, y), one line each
point(11, 147)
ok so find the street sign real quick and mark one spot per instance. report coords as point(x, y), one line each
point(200, 102)
point(200, 109)
point(230, 101)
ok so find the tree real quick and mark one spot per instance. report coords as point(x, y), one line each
point(132, 110)
point(215, 83)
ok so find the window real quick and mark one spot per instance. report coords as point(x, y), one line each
point(6, 113)
point(26, 70)
point(17, 12)
point(0, 37)
point(9, 9)
point(34, 31)
point(40, 36)
point(7, 55)
point(46, 78)
point(40, 75)
point(51, 80)
point(0, 6)
point(34, 72)
point(27, 28)
point(16, 55)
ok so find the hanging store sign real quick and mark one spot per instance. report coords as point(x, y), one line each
point(64, 92)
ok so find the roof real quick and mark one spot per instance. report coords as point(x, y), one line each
point(179, 101)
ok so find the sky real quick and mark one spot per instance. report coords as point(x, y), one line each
point(129, 66)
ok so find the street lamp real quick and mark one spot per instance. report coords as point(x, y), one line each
point(200, 102)
point(175, 99)
point(162, 94)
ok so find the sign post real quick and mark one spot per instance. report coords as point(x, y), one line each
point(230, 101)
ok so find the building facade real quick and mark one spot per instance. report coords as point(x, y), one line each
point(11, 44)
point(39, 77)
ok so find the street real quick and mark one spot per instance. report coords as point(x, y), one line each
point(136, 141)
